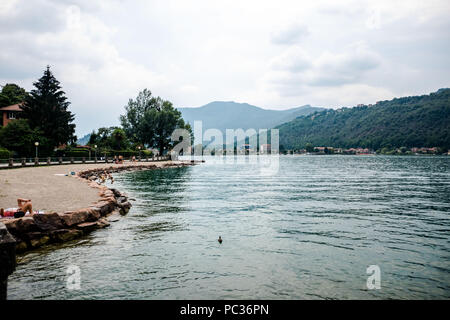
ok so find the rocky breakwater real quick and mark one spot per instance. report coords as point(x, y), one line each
point(36, 230)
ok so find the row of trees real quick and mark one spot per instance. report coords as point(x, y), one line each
point(148, 122)
point(112, 138)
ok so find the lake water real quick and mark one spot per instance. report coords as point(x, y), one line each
point(310, 231)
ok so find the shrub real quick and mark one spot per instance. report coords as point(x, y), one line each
point(73, 153)
point(5, 153)
point(129, 153)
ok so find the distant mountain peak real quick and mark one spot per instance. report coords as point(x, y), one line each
point(233, 115)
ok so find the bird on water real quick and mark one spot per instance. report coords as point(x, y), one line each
point(220, 239)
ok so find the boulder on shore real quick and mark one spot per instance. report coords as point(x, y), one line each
point(65, 235)
point(87, 227)
point(73, 218)
point(37, 239)
point(21, 225)
point(48, 221)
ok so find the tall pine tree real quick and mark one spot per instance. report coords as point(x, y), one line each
point(46, 109)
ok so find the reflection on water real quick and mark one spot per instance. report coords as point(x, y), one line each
point(310, 231)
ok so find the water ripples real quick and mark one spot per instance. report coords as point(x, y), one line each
point(308, 232)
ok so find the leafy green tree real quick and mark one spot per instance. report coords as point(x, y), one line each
point(309, 147)
point(93, 138)
point(157, 126)
point(134, 113)
point(11, 94)
point(112, 138)
point(118, 139)
point(46, 110)
point(151, 121)
point(18, 137)
point(104, 135)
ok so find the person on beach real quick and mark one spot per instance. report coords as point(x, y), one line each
point(110, 177)
point(105, 175)
point(25, 206)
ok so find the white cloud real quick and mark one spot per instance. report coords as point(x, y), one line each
point(274, 54)
point(294, 59)
point(290, 35)
point(295, 69)
point(188, 88)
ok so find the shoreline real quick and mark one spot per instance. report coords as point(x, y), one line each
point(57, 226)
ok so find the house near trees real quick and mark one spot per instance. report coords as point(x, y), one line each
point(10, 113)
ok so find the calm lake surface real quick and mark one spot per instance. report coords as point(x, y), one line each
point(308, 232)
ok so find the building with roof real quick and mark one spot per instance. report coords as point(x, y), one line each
point(10, 113)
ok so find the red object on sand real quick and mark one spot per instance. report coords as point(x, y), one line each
point(9, 212)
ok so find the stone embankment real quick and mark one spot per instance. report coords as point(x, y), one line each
point(7, 259)
point(36, 230)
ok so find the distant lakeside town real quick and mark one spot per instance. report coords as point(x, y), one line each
point(366, 151)
point(247, 149)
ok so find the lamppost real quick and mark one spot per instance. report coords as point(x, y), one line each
point(95, 149)
point(37, 145)
point(139, 148)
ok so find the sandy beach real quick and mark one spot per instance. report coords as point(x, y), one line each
point(51, 191)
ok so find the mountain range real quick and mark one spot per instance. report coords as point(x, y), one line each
point(224, 115)
point(415, 121)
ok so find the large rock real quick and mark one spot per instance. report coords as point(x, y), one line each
point(73, 218)
point(107, 194)
point(37, 239)
point(65, 234)
point(48, 221)
point(103, 223)
point(7, 252)
point(116, 192)
point(110, 200)
point(7, 259)
point(87, 227)
point(21, 225)
point(105, 207)
point(21, 246)
point(11, 224)
point(94, 213)
point(124, 207)
point(121, 199)
point(27, 224)
point(114, 217)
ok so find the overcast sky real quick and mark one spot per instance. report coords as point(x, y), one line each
point(273, 54)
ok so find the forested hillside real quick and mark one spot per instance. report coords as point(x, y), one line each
point(417, 121)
